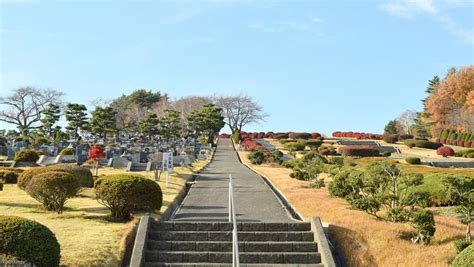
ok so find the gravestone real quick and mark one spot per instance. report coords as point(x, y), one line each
point(81, 153)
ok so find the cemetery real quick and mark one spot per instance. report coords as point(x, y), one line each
point(236, 133)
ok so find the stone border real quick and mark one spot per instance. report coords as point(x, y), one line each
point(327, 259)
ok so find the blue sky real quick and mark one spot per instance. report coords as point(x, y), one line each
point(313, 65)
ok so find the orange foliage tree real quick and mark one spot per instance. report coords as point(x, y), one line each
point(451, 104)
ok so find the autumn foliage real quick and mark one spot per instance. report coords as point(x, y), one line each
point(451, 104)
point(96, 152)
point(445, 151)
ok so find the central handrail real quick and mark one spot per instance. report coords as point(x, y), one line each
point(233, 220)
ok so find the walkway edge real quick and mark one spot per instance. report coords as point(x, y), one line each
point(327, 257)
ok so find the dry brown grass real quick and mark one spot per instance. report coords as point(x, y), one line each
point(85, 236)
point(365, 240)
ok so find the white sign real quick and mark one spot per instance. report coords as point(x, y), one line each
point(167, 161)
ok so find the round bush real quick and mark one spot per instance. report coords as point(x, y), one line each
point(25, 177)
point(257, 157)
point(67, 152)
point(53, 188)
point(27, 155)
point(422, 144)
point(445, 151)
point(413, 160)
point(125, 194)
point(83, 175)
point(29, 241)
point(465, 258)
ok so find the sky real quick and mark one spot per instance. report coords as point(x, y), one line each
point(313, 65)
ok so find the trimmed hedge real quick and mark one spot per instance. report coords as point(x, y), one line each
point(413, 160)
point(83, 175)
point(359, 151)
point(125, 194)
point(67, 152)
point(294, 146)
point(53, 188)
point(465, 258)
point(445, 151)
point(422, 144)
point(27, 155)
point(391, 139)
point(299, 135)
point(465, 152)
point(29, 240)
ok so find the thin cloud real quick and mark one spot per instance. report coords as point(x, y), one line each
point(283, 26)
point(411, 8)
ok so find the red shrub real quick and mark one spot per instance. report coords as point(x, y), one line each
point(445, 151)
point(96, 152)
point(315, 135)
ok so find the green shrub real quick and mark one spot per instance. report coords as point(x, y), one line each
point(40, 141)
point(53, 188)
point(470, 155)
point(359, 151)
point(257, 157)
point(422, 144)
point(8, 177)
point(339, 161)
point(314, 143)
point(284, 141)
point(29, 241)
point(387, 154)
point(291, 163)
point(391, 139)
point(318, 183)
point(83, 175)
point(125, 194)
point(25, 177)
point(461, 244)
point(294, 146)
point(67, 152)
point(464, 152)
point(27, 155)
point(413, 160)
point(277, 156)
point(424, 224)
point(465, 258)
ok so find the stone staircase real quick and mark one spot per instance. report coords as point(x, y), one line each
point(178, 243)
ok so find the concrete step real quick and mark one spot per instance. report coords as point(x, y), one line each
point(227, 236)
point(182, 264)
point(227, 246)
point(226, 257)
point(225, 226)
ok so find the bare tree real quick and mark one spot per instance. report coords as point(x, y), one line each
point(406, 120)
point(24, 106)
point(189, 103)
point(240, 110)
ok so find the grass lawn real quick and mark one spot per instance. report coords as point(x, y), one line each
point(365, 240)
point(86, 238)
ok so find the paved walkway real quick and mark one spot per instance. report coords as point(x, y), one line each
point(208, 198)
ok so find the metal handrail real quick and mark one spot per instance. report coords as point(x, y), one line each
point(233, 220)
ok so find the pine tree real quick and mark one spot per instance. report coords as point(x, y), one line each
point(391, 127)
point(149, 125)
point(169, 125)
point(103, 121)
point(208, 120)
point(77, 118)
point(50, 116)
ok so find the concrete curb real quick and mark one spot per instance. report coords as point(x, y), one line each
point(327, 258)
point(138, 252)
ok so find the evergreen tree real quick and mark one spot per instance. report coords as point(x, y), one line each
point(149, 125)
point(170, 124)
point(77, 118)
point(391, 127)
point(103, 121)
point(51, 115)
point(208, 120)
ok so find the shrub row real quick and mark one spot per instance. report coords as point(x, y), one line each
point(359, 151)
point(422, 144)
point(452, 137)
point(82, 175)
point(465, 153)
point(413, 160)
point(272, 135)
